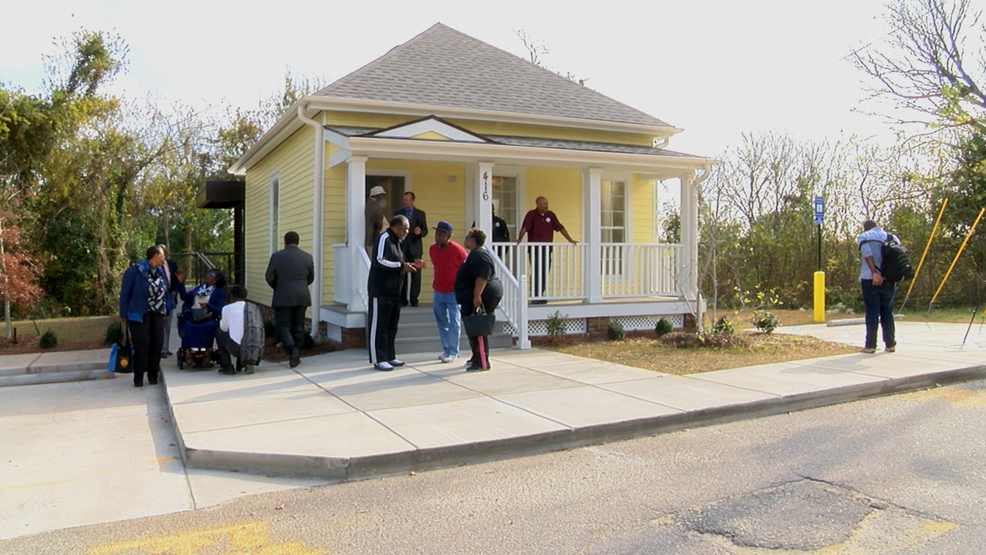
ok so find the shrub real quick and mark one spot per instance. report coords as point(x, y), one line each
point(48, 340)
point(114, 333)
point(615, 331)
point(765, 321)
point(685, 340)
point(663, 327)
point(723, 327)
point(557, 324)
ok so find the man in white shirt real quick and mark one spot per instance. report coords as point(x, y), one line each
point(230, 333)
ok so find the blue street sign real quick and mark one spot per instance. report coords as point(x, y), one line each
point(819, 210)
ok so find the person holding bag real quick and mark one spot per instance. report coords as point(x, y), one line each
point(477, 289)
point(144, 302)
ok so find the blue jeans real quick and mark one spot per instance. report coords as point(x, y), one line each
point(879, 303)
point(447, 315)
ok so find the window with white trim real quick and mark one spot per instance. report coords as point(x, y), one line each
point(275, 208)
point(613, 212)
point(505, 199)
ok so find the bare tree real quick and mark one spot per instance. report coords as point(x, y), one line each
point(926, 65)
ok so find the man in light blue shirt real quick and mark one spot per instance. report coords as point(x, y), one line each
point(878, 294)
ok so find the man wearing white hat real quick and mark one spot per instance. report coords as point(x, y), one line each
point(376, 222)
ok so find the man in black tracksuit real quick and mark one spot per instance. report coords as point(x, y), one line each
point(387, 270)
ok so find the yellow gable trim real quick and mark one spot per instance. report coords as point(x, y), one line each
point(431, 136)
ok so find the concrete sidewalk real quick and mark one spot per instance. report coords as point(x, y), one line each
point(333, 418)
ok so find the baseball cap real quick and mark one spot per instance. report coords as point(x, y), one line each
point(444, 226)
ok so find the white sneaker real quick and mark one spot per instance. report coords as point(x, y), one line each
point(385, 366)
point(396, 363)
point(447, 359)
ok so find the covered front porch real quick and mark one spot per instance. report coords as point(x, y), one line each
point(605, 194)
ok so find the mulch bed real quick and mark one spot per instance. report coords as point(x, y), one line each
point(29, 344)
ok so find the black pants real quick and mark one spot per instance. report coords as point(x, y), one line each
point(540, 261)
point(147, 337)
point(289, 321)
point(227, 349)
point(411, 288)
point(384, 314)
point(491, 300)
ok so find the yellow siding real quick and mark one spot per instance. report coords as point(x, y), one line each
point(563, 189)
point(334, 220)
point(293, 161)
point(642, 210)
point(432, 136)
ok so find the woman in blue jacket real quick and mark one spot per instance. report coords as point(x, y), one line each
point(144, 303)
point(201, 312)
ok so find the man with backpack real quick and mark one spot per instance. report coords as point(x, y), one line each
point(885, 262)
point(240, 334)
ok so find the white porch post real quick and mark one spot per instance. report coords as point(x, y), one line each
point(592, 232)
point(355, 224)
point(483, 199)
point(318, 230)
point(688, 278)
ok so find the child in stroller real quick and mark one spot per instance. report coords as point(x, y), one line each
point(199, 320)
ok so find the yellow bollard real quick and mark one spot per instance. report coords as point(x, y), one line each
point(819, 296)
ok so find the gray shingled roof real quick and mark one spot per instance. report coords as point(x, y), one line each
point(443, 67)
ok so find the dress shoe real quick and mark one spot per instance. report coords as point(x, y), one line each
point(227, 371)
point(295, 358)
point(476, 368)
point(152, 382)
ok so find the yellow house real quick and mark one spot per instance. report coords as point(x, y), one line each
point(467, 126)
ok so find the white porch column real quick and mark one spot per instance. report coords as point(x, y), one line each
point(318, 230)
point(483, 199)
point(356, 225)
point(592, 233)
point(688, 277)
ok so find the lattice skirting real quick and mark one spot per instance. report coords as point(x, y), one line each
point(537, 328)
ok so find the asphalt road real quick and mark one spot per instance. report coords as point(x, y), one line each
point(901, 474)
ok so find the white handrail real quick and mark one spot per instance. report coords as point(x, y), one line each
point(513, 305)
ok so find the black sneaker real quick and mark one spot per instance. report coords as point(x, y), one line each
point(295, 358)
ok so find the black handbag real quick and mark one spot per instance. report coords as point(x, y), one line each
point(199, 314)
point(122, 355)
point(479, 324)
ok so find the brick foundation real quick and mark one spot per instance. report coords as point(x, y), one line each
point(690, 323)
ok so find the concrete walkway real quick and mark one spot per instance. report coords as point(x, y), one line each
point(333, 418)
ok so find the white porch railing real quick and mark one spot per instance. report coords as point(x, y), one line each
point(640, 270)
point(513, 305)
point(554, 270)
point(627, 269)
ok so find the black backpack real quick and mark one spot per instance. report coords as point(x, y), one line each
point(896, 265)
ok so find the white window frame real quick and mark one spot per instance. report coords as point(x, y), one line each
point(627, 180)
point(274, 210)
point(516, 172)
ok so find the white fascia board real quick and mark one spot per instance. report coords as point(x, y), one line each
point(515, 155)
point(433, 126)
point(446, 112)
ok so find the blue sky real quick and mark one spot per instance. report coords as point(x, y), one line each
point(715, 68)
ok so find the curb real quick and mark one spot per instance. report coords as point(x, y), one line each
point(358, 468)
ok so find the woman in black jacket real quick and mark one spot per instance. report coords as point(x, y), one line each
point(476, 286)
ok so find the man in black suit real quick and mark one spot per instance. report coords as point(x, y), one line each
point(290, 272)
point(174, 280)
point(413, 248)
